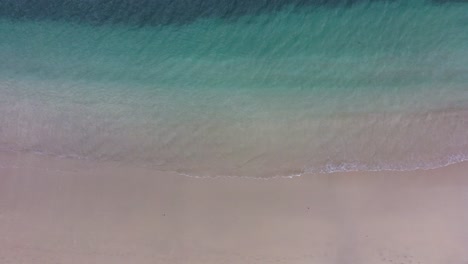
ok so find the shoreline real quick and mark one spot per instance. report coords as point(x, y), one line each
point(12, 159)
point(64, 212)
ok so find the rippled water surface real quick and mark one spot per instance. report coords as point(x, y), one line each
point(254, 90)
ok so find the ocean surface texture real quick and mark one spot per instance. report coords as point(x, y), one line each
point(237, 88)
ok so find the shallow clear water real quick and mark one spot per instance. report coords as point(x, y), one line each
point(369, 86)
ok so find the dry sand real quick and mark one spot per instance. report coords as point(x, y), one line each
point(61, 211)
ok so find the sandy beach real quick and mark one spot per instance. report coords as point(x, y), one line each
point(65, 211)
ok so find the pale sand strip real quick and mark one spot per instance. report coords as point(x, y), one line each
point(60, 211)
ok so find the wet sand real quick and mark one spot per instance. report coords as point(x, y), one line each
point(64, 211)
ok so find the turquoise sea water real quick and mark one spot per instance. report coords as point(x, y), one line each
point(316, 88)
